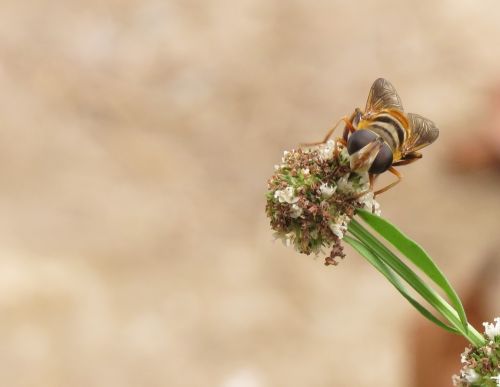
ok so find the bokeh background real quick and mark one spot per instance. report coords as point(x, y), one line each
point(136, 138)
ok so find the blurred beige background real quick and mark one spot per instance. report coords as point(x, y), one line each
point(136, 141)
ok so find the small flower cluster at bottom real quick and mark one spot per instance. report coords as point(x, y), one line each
point(481, 366)
point(312, 196)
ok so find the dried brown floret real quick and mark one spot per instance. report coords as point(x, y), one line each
point(312, 196)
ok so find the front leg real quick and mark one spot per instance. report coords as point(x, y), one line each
point(351, 123)
point(349, 128)
point(327, 137)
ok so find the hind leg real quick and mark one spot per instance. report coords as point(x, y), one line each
point(395, 172)
point(408, 159)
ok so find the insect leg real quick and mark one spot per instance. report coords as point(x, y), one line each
point(330, 132)
point(395, 172)
point(349, 128)
point(408, 159)
point(327, 137)
point(350, 122)
point(336, 146)
point(372, 180)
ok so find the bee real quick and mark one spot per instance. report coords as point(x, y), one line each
point(383, 136)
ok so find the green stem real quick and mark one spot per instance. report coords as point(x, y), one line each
point(406, 273)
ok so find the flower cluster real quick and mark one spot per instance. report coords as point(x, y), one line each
point(481, 366)
point(312, 196)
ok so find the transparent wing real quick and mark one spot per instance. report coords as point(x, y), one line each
point(383, 96)
point(422, 132)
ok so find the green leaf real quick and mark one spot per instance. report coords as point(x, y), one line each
point(407, 274)
point(393, 279)
point(417, 255)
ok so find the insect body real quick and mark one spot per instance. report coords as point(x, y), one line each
point(383, 135)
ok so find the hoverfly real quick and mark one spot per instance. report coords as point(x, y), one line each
point(384, 136)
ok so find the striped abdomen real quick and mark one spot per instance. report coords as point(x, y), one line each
point(390, 126)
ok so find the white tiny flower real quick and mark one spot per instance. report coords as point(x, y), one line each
point(344, 156)
point(337, 229)
point(463, 356)
point(325, 154)
point(276, 167)
point(364, 180)
point(492, 330)
point(286, 196)
point(287, 239)
point(296, 211)
point(277, 235)
point(344, 185)
point(360, 180)
point(471, 375)
point(305, 171)
point(327, 190)
point(497, 378)
point(326, 150)
point(369, 203)
point(339, 226)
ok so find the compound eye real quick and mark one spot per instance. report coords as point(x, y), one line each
point(359, 139)
point(383, 160)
